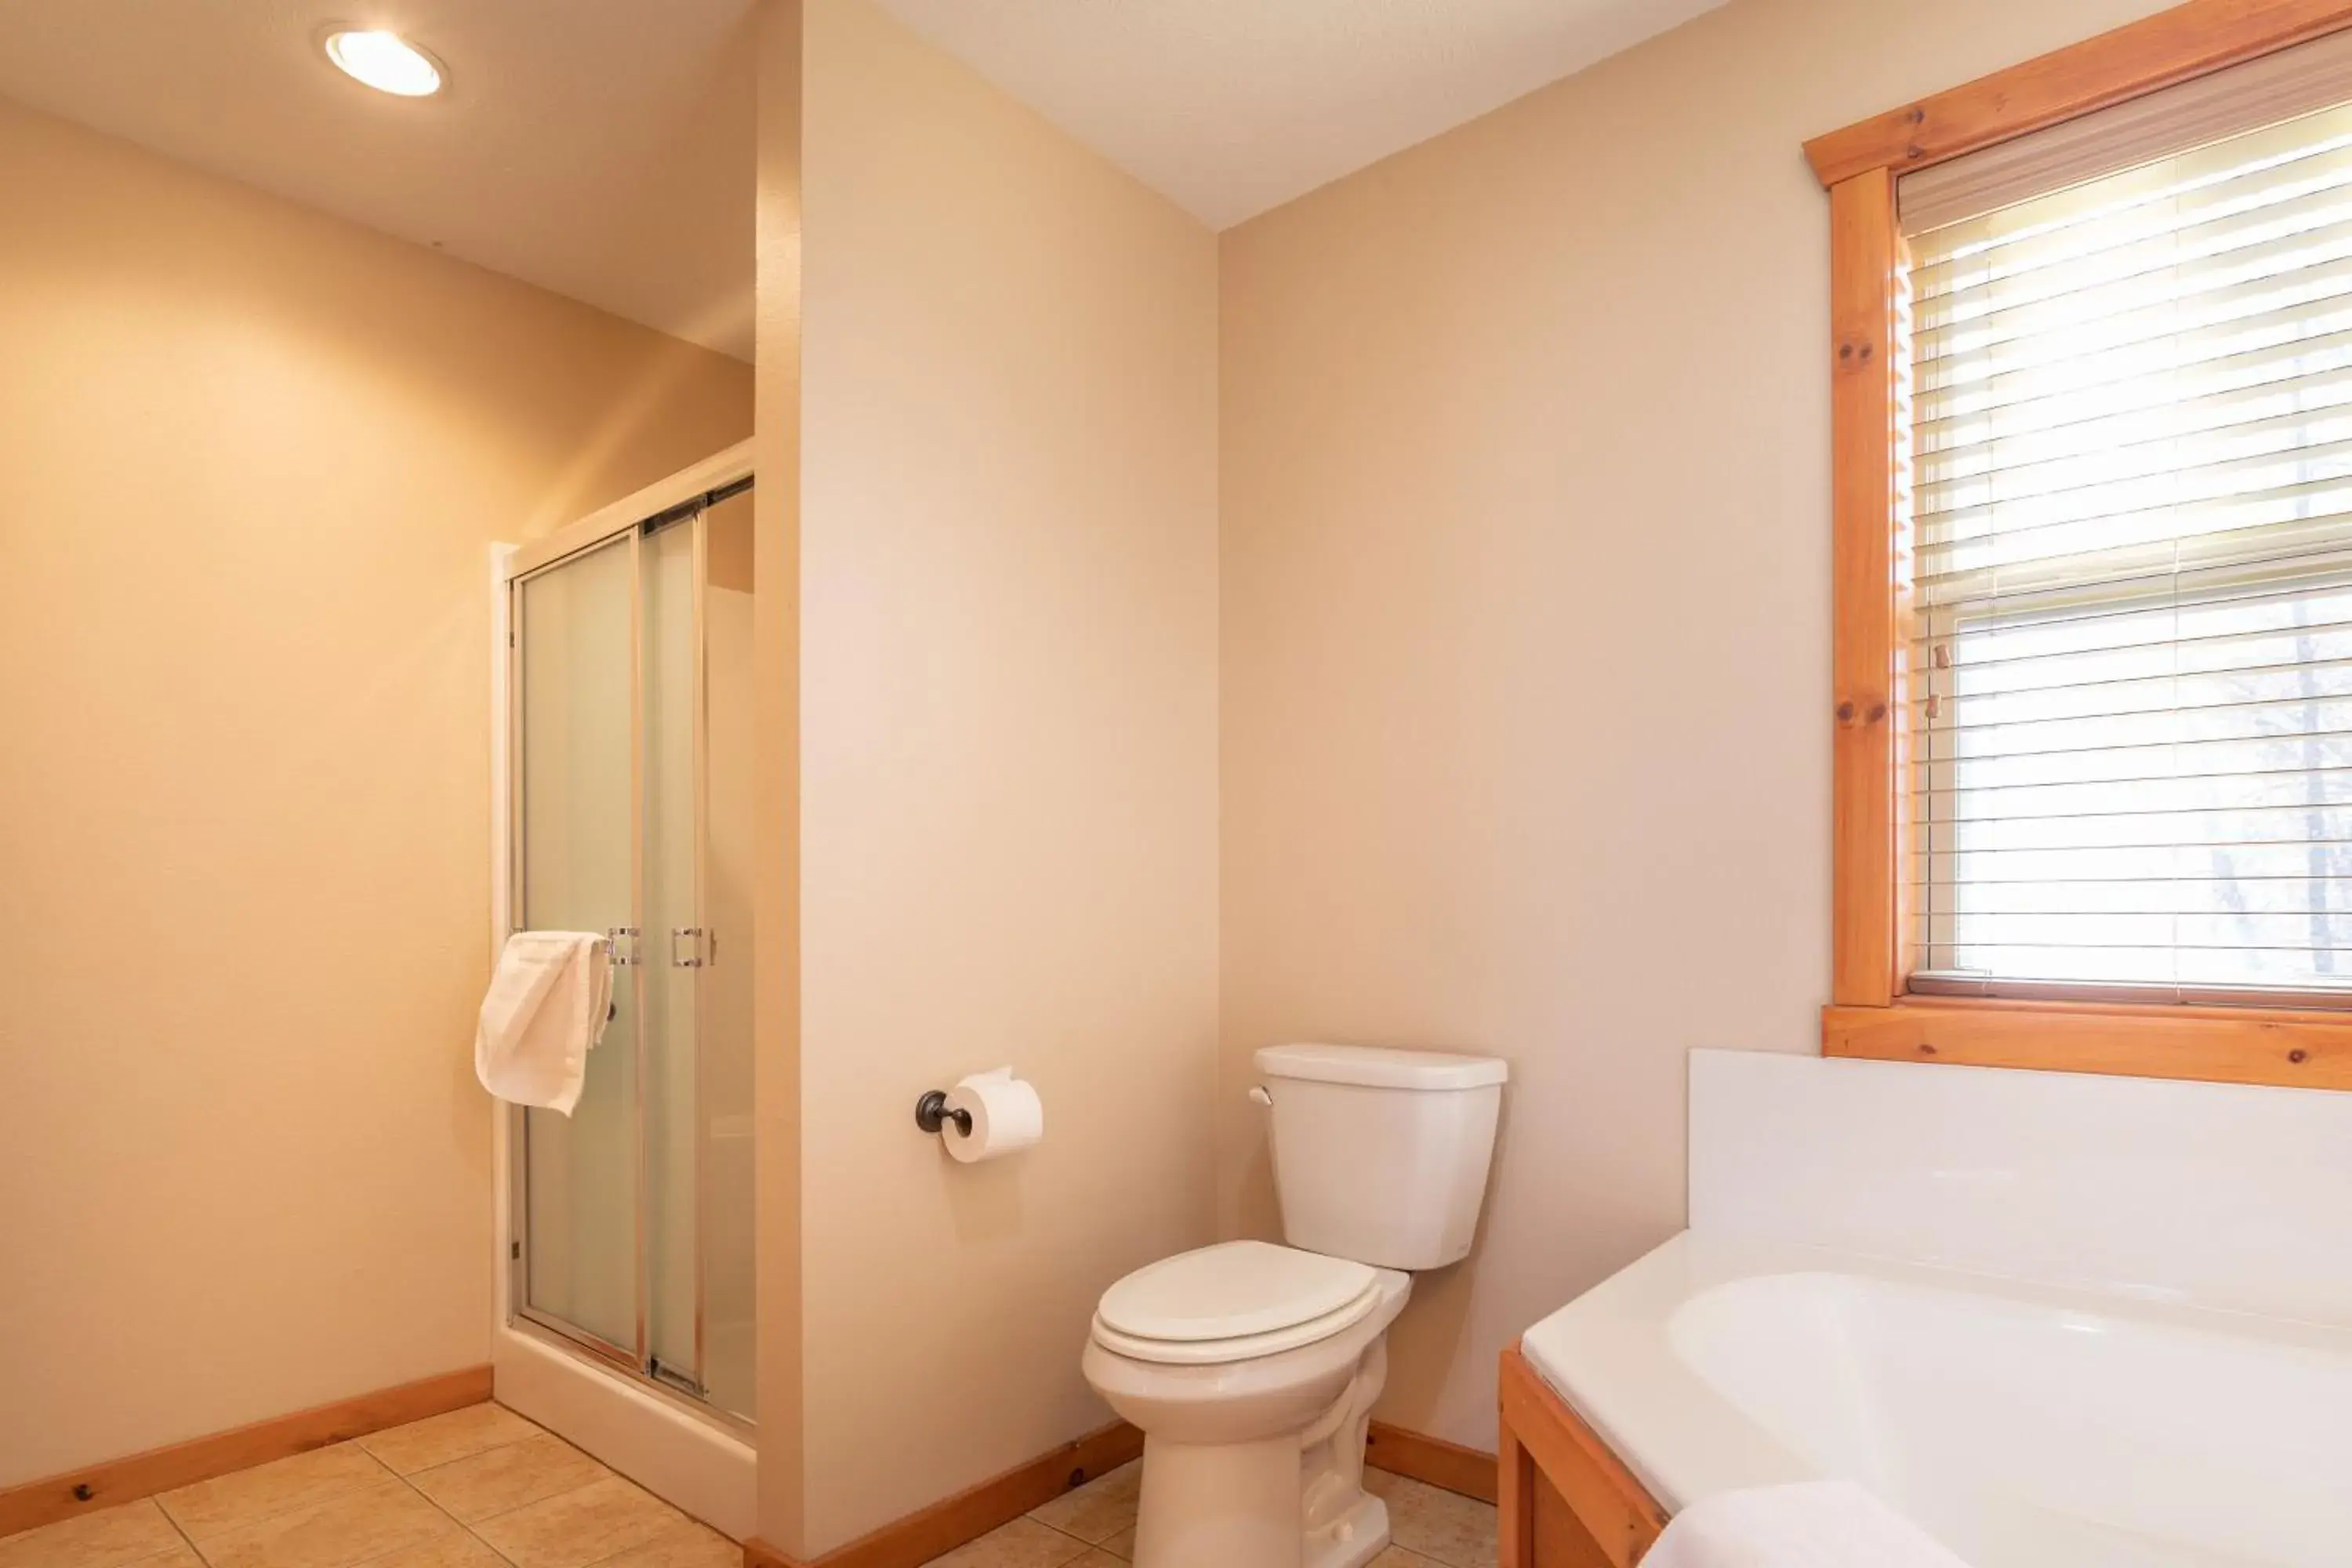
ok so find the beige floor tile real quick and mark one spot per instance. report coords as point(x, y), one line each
point(1098, 1509)
point(687, 1543)
point(1390, 1557)
point(1099, 1558)
point(1023, 1543)
point(1122, 1545)
point(578, 1528)
point(180, 1556)
point(437, 1439)
point(498, 1480)
point(1457, 1531)
point(456, 1549)
point(348, 1529)
point(107, 1538)
point(283, 1486)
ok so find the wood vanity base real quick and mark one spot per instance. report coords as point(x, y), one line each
point(1566, 1500)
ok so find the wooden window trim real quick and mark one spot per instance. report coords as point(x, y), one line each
point(1869, 1014)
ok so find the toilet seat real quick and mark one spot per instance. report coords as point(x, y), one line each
point(1232, 1303)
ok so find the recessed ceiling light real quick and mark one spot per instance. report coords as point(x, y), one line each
point(385, 61)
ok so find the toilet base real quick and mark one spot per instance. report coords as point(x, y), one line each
point(1223, 1505)
point(1259, 1463)
point(1296, 1500)
point(1353, 1540)
point(1238, 1505)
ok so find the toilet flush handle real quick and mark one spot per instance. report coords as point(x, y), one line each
point(1257, 1093)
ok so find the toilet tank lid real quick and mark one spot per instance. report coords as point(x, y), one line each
point(1381, 1068)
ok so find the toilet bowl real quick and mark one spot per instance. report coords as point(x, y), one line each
point(1251, 1368)
point(1254, 1441)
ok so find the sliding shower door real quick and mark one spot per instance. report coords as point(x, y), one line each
point(678, 943)
point(632, 819)
point(575, 635)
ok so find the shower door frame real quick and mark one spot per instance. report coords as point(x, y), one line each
point(667, 502)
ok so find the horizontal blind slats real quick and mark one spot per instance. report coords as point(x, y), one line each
point(2103, 407)
point(2092, 561)
point(1997, 338)
point(2130, 690)
point(2225, 105)
point(2103, 249)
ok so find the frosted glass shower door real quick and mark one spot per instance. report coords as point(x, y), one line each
point(676, 946)
point(631, 815)
point(698, 1095)
point(576, 871)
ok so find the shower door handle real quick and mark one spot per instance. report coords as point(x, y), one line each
point(693, 959)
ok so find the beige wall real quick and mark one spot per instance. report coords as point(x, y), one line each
point(250, 461)
point(775, 777)
point(1008, 760)
point(1525, 516)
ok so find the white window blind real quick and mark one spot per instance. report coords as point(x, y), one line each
point(2131, 656)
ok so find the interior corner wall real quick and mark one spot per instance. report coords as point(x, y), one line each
point(1008, 758)
point(253, 460)
point(1524, 670)
point(775, 775)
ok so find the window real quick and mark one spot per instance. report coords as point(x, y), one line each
point(2131, 637)
point(2091, 394)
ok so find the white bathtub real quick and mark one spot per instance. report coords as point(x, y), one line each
point(2026, 1426)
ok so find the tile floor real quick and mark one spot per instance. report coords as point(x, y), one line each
point(480, 1488)
point(483, 1487)
point(1093, 1527)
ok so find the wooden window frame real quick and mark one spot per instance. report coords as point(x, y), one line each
point(1869, 1014)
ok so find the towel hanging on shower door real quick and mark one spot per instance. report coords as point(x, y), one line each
point(545, 1011)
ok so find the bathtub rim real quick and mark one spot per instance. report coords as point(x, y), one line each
point(1609, 1353)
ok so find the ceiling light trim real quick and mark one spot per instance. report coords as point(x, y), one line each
point(384, 73)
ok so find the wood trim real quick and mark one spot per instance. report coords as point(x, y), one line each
point(1514, 1499)
point(1542, 1440)
point(2232, 1045)
point(2141, 56)
point(971, 1513)
point(1871, 957)
point(1449, 1467)
point(1866, 496)
point(53, 1498)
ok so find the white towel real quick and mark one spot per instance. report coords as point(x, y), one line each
point(1812, 1524)
point(544, 1012)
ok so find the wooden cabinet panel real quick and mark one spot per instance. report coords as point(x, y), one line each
point(1566, 1501)
point(1560, 1538)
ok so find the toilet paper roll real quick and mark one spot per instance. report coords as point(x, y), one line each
point(1006, 1115)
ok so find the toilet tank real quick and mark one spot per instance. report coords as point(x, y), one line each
point(1380, 1156)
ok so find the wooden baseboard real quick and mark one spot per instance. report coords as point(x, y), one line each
point(1449, 1467)
point(45, 1501)
point(970, 1514)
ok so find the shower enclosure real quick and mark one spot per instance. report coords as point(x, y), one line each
point(629, 1221)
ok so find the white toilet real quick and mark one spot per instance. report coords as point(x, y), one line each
point(1251, 1368)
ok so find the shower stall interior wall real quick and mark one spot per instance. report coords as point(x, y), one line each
point(622, 670)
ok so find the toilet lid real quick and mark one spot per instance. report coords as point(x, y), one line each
point(1232, 1290)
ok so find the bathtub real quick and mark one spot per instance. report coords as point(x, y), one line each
point(2025, 1425)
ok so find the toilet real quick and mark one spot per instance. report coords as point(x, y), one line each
point(1251, 1368)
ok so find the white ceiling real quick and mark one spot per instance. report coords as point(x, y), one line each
point(599, 148)
point(1230, 107)
point(603, 148)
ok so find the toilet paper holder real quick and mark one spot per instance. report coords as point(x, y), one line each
point(931, 1112)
